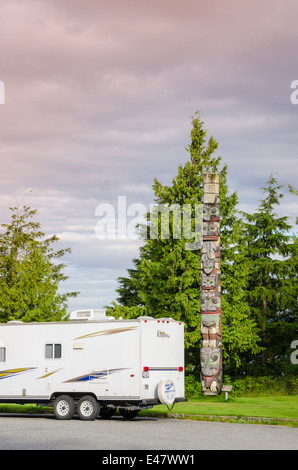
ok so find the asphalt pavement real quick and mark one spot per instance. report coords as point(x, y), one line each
point(45, 432)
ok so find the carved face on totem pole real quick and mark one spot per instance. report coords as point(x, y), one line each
point(210, 262)
point(210, 231)
point(211, 369)
point(210, 303)
point(211, 212)
point(211, 249)
point(209, 281)
point(211, 330)
point(208, 265)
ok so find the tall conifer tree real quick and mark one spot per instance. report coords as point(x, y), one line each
point(166, 278)
point(273, 285)
point(29, 271)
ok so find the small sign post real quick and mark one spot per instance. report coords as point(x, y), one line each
point(226, 389)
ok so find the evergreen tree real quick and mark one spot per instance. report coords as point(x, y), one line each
point(29, 271)
point(167, 275)
point(128, 292)
point(272, 287)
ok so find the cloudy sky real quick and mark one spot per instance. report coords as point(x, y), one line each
point(99, 96)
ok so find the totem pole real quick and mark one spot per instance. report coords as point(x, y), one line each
point(211, 350)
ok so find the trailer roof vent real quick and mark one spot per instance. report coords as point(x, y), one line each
point(87, 314)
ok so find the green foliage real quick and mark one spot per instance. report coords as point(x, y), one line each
point(259, 254)
point(264, 385)
point(127, 312)
point(29, 271)
point(192, 386)
point(248, 386)
point(166, 278)
point(272, 288)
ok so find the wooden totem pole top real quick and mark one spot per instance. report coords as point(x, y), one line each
point(211, 188)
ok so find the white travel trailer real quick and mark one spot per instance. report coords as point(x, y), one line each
point(93, 364)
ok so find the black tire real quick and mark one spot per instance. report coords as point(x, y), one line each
point(64, 407)
point(105, 412)
point(87, 408)
point(128, 414)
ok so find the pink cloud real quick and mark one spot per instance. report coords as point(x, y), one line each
point(99, 95)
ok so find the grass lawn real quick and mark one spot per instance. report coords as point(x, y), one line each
point(273, 409)
point(278, 407)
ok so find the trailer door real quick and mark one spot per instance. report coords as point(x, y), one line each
point(162, 355)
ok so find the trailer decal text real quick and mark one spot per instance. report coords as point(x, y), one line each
point(162, 334)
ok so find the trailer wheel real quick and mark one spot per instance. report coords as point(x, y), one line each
point(64, 407)
point(128, 414)
point(87, 408)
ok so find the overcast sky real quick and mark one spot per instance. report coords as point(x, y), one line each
point(99, 96)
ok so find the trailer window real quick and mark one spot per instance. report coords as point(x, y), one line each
point(53, 351)
point(2, 354)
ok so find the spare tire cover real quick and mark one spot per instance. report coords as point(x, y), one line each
point(166, 391)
